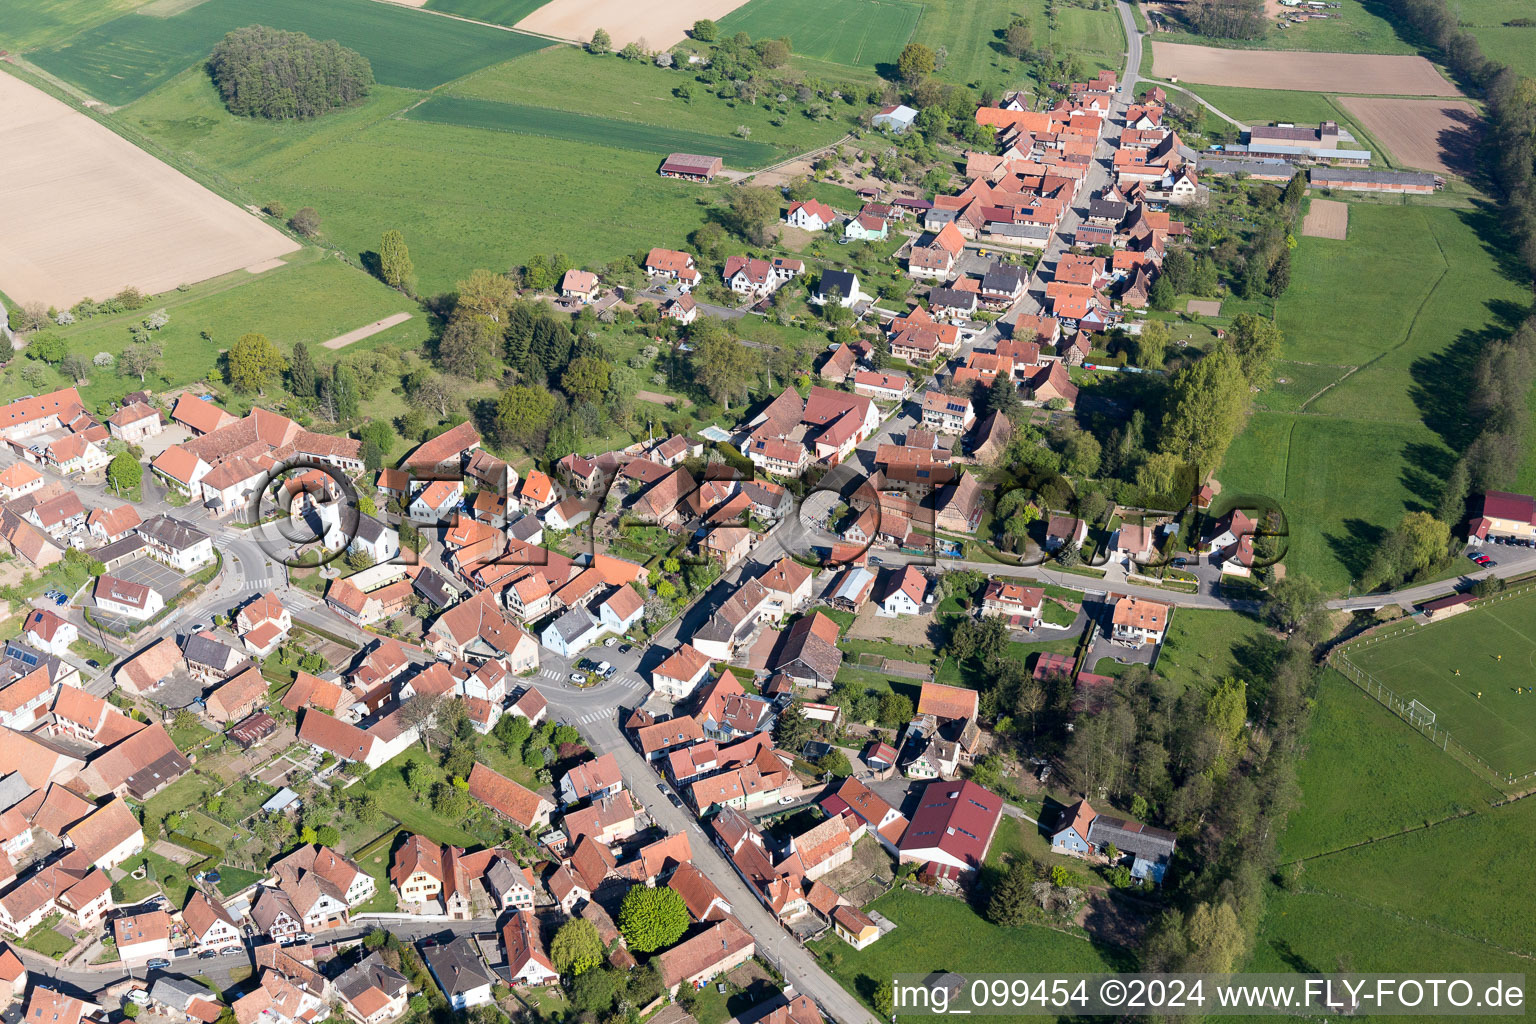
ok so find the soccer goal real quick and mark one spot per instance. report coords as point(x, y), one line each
point(1420, 715)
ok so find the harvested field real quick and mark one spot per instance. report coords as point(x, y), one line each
point(1432, 135)
point(1300, 71)
point(87, 213)
point(1326, 218)
point(343, 340)
point(657, 26)
point(264, 266)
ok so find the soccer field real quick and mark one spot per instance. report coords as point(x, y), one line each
point(1493, 646)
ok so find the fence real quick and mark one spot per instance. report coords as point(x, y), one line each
point(1393, 702)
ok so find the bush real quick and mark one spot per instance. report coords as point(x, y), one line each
point(283, 76)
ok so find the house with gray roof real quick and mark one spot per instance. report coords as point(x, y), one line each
point(572, 632)
point(460, 973)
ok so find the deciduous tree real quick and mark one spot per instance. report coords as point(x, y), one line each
point(652, 918)
point(523, 413)
point(916, 61)
point(576, 947)
point(124, 472)
point(486, 293)
point(721, 364)
point(254, 362)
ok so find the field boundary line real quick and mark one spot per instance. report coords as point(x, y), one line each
point(1399, 915)
point(1422, 827)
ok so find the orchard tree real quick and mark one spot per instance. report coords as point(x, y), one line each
point(305, 221)
point(1018, 40)
point(254, 362)
point(601, 42)
point(140, 358)
point(705, 30)
point(426, 390)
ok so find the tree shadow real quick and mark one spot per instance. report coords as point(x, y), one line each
point(1357, 546)
point(1428, 467)
point(1440, 384)
point(1487, 221)
point(1293, 959)
point(372, 263)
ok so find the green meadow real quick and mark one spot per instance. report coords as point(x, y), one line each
point(467, 112)
point(1397, 339)
point(497, 12)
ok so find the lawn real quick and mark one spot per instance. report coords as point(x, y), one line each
point(387, 784)
point(497, 12)
point(1367, 775)
point(232, 880)
point(468, 112)
point(309, 300)
point(1349, 462)
point(859, 33)
point(1205, 647)
point(936, 933)
point(1266, 106)
point(1356, 27)
point(1493, 649)
point(123, 59)
point(43, 939)
point(464, 198)
point(565, 78)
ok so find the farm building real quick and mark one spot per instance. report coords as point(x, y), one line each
point(1374, 181)
point(691, 167)
point(1301, 154)
point(1258, 170)
point(897, 119)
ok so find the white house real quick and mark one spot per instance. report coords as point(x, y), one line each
point(460, 973)
point(126, 598)
point(1138, 621)
point(811, 215)
point(572, 632)
point(678, 676)
point(182, 547)
point(208, 924)
point(527, 963)
point(904, 594)
point(49, 632)
point(842, 283)
point(436, 502)
point(619, 611)
point(377, 540)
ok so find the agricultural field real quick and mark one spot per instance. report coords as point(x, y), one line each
point(461, 196)
point(1326, 218)
point(1367, 775)
point(124, 59)
point(566, 79)
point(1428, 135)
point(33, 23)
point(1270, 106)
point(1493, 649)
point(653, 26)
point(1360, 451)
point(309, 300)
point(497, 12)
point(468, 112)
point(119, 217)
point(1376, 74)
point(859, 33)
point(1356, 27)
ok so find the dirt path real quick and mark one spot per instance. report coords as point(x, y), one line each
point(343, 340)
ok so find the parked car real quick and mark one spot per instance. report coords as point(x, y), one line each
point(675, 801)
point(139, 996)
point(234, 951)
point(208, 954)
point(610, 641)
point(158, 963)
point(1475, 555)
point(577, 677)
